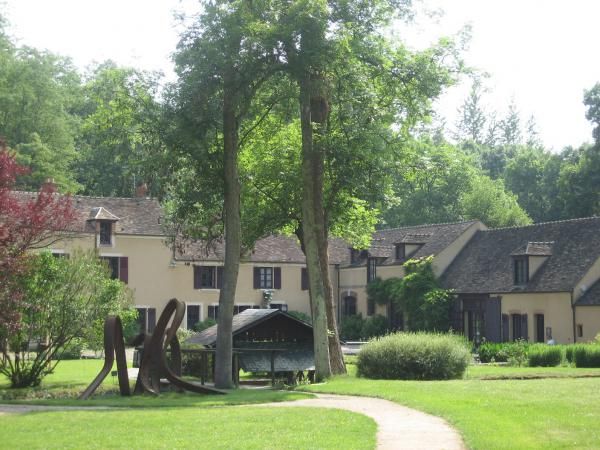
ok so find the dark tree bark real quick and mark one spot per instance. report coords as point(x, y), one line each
point(223, 363)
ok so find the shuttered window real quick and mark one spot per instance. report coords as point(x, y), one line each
point(146, 319)
point(118, 267)
point(267, 278)
point(539, 328)
point(208, 277)
point(193, 316)
point(213, 312)
point(303, 279)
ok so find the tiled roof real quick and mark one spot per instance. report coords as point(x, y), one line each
point(141, 216)
point(485, 265)
point(434, 239)
point(271, 249)
point(241, 322)
point(591, 296)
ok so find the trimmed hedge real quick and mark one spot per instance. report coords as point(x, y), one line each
point(544, 355)
point(414, 356)
point(587, 355)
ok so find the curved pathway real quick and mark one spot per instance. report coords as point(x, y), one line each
point(398, 427)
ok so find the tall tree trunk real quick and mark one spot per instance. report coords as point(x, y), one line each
point(312, 190)
point(223, 364)
point(336, 358)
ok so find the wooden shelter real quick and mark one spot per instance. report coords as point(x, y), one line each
point(267, 340)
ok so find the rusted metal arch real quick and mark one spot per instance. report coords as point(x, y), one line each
point(113, 345)
point(154, 360)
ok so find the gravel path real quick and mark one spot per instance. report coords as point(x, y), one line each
point(398, 427)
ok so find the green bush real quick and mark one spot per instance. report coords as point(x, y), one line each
point(542, 355)
point(414, 356)
point(586, 355)
point(72, 350)
point(300, 316)
point(351, 328)
point(374, 326)
point(206, 323)
point(493, 352)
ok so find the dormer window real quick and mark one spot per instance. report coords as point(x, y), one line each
point(400, 252)
point(354, 256)
point(371, 269)
point(521, 270)
point(105, 233)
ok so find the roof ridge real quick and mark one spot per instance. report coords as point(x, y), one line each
point(87, 196)
point(578, 219)
point(429, 225)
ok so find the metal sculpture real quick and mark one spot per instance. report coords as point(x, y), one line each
point(154, 360)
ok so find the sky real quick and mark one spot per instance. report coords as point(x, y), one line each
point(541, 54)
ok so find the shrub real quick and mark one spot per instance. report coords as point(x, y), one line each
point(351, 327)
point(544, 355)
point(493, 352)
point(300, 316)
point(72, 350)
point(586, 355)
point(517, 352)
point(414, 356)
point(206, 323)
point(374, 326)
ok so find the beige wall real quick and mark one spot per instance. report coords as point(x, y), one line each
point(154, 281)
point(588, 317)
point(555, 306)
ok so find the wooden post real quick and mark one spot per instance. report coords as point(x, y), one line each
point(236, 370)
point(272, 368)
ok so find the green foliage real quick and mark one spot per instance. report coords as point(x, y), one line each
point(375, 326)
point(72, 350)
point(542, 355)
point(414, 356)
point(586, 355)
point(300, 316)
point(419, 295)
point(203, 325)
point(382, 291)
point(65, 298)
point(351, 327)
point(493, 352)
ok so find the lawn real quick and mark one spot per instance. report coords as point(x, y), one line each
point(553, 412)
point(172, 420)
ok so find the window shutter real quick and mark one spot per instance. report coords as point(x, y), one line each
point(493, 319)
point(524, 332)
point(257, 278)
point(505, 330)
point(151, 319)
point(219, 276)
point(303, 279)
point(124, 269)
point(197, 276)
point(277, 278)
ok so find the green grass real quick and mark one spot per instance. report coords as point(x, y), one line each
point(214, 428)
point(172, 420)
point(482, 371)
point(498, 414)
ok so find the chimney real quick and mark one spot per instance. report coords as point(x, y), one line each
point(49, 185)
point(141, 190)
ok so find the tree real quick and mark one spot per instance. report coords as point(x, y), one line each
point(223, 60)
point(27, 222)
point(472, 117)
point(63, 299)
point(119, 142)
point(489, 202)
point(591, 99)
point(39, 92)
